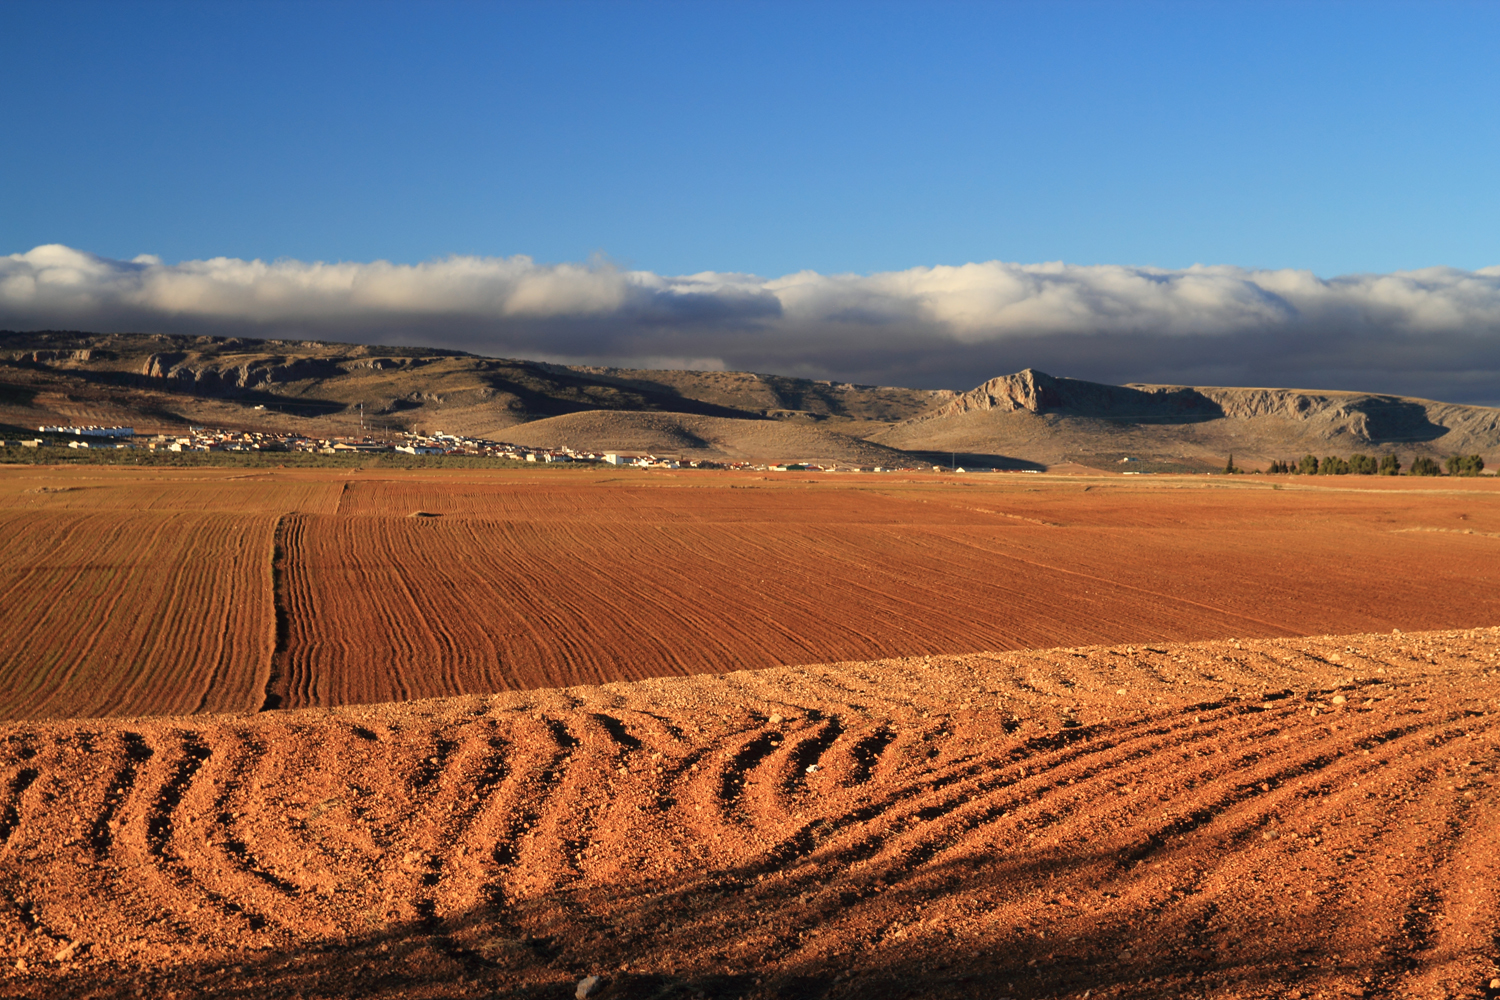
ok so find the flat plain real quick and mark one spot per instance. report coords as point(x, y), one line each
point(131, 592)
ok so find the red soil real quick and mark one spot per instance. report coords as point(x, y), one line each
point(132, 613)
point(1253, 818)
point(518, 580)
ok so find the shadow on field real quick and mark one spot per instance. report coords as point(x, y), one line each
point(977, 461)
point(759, 933)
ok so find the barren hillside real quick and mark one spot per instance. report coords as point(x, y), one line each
point(1035, 416)
point(159, 381)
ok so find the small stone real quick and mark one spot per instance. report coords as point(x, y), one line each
point(812, 769)
point(775, 720)
point(1495, 984)
point(66, 953)
point(1339, 699)
point(21, 965)
point(588, 986)
point(1121, 691)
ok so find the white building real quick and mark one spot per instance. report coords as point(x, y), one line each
point(91, 431)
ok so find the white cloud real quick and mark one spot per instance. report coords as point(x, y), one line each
point(1412, 331)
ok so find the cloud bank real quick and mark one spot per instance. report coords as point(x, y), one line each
point(1433, 332)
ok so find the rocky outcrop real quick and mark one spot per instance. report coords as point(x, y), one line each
point(1038, 392)
point(1034, 415)
point(1025, 390)
point(384, 364)
point(42, 357)
point(1363, 417)
point(259, 374)
point(160, 365)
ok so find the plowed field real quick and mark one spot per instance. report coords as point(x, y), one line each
point(133, 613)
point(393, 585)
point(1250, 818)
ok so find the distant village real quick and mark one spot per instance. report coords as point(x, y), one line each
point(203, 439)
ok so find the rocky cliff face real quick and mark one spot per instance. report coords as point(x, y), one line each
point(1359, 416)
point(257, 374)
point(45, 357)
point(1025, 390)
point(1038, 392)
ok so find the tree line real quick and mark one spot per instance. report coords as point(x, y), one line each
point(1369, 465)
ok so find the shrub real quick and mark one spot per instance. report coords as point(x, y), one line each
point(1390, 465)
point(1363, 465)
point(1424, 466)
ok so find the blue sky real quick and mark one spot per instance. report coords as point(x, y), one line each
point(765, 138)
point(925, 194)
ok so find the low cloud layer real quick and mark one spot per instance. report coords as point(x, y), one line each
point(1433, 332)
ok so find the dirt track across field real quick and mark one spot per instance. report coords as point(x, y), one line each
point(1309, 817)
point(138, 591)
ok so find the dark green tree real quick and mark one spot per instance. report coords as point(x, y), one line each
point(1464, 465)
point(1308, 466)
point(1363, 465)
point(1425, 466)
point(1333, 466)
point(1390, 465)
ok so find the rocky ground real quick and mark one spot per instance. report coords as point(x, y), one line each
point(1309, 817)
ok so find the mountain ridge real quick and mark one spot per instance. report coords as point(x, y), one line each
point(1027, 418)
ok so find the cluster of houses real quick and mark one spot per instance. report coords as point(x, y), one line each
point(91, 431)
point(439, 443)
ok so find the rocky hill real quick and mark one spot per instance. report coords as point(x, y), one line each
point(1042, 418)
point(1028, 419)
point(158, 382)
